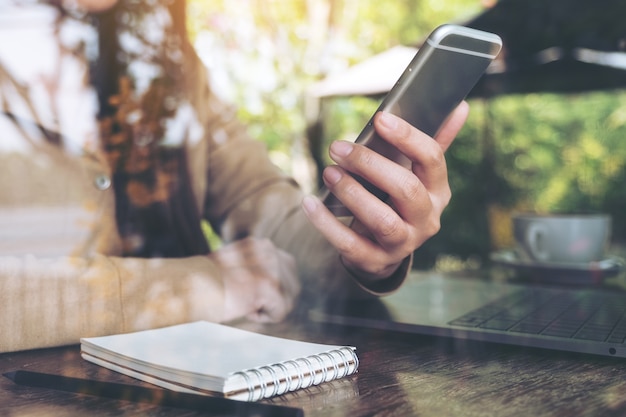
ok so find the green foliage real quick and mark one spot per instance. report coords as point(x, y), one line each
point(560, 152)
point(537, 152)
point(376, 26)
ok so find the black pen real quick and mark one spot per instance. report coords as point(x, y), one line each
point(157, 396)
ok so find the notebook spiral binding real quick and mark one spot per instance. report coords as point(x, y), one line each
point(276, 379)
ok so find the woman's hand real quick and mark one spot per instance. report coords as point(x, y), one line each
point(383, 235)
point(260, 280)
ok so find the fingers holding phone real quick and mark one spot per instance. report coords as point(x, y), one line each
point(382, 234)
point(422, 190)
point(401, 186)
point(427, 173)
point(416, 197)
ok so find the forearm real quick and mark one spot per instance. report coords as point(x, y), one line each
point(51, 302)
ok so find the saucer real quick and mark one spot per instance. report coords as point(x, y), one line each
point(592, 273)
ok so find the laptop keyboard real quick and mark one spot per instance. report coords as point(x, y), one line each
point(592, 315)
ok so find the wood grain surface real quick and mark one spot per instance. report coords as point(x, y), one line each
point(399, 375)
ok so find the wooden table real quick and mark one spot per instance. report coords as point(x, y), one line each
point(400, 375)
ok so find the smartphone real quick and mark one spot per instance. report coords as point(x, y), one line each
point(438, 78)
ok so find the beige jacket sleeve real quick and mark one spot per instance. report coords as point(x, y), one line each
point(52, 302)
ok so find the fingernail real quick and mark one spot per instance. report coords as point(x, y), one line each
point(388, 120)
point(340, 148)
point(309, 204)
point(331, 175)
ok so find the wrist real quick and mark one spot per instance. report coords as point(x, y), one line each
point(384, 282)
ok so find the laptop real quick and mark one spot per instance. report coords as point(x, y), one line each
point(589, 320)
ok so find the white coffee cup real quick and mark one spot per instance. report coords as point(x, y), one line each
point(562, 238)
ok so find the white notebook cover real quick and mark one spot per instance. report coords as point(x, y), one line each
point(208, 357)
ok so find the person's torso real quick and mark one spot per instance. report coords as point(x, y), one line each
point(57, 177)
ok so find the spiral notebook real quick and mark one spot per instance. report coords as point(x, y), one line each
point(209, 358)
